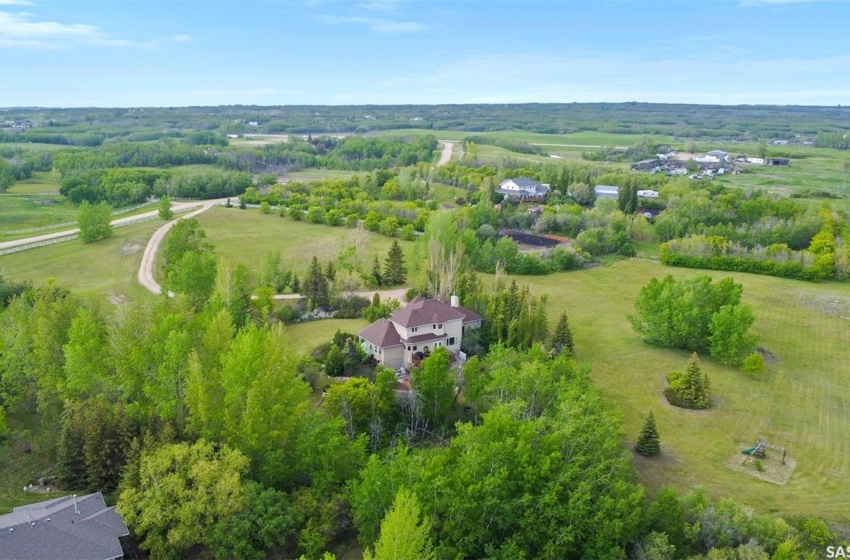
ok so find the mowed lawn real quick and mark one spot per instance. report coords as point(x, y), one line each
point(247, 236)
point(800, 402)
point(104, 269)
point(308, 335)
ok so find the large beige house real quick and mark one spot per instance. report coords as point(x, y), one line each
point(416, 329)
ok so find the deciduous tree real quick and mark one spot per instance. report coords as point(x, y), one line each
point(404, 532)
point(434, 386)
point(183, 491)
point(165, 211)
point(93, 221)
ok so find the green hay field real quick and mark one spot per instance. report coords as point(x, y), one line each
point(40, 183)
point(19, 212)
point(247, 236)
point(105, 268)
point(800, 402)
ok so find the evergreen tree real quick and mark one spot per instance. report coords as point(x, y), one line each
point(563, 338)
point(376, 272)
point(69, 453)
point(316, 285)
point(693, 386)
point(696, 388)
point(330, 272)
point(648, 443)
point(376, 300)
point(296, 284)
point(705, 394)
point(395, 272)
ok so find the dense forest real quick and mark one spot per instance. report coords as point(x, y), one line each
point(91, 127)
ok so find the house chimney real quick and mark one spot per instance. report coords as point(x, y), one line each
point(455, 301)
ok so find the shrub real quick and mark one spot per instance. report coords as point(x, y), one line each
point(754, 363)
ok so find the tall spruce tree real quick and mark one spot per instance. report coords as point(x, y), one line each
point(649, 443)
point(316, 285)
point(563, 337)
point(395, 272)
point(696, 390)
point(376, 272)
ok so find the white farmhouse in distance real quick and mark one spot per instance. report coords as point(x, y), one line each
point(523, 188)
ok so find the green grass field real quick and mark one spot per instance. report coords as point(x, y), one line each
point(307, 175)
point(20, 462)
point(800, 402)
point(313, 333)
point(27, 213)
point(576, 139)
point(19, 212)
point(40, 183)
point(106, 268)
point(247, 236)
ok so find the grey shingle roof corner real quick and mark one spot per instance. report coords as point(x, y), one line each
point(56, 530)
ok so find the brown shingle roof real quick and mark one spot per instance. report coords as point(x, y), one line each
point(427, 337)
point(426, 311)
point(381, 333)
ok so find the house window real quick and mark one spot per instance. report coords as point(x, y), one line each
point(438, 344)
point(414, 348)
point(414, 329)
point(433, 326)
point(451, 341)
point(440, 326)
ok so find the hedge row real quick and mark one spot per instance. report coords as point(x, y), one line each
point(737, 264)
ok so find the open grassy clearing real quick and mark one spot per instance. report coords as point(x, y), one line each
point(20, 462)
point(104, 269)
point(800, 402)
point(247, 236)
point(27, 211)
point(446, 194)
point(575, 139)
point(41, 182)
point(313, 333)
point(307, 175)
point(820, 172)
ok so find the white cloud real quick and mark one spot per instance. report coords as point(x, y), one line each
point(380, 25)
point(22, 30)
point(15, 3)
point(381, 5)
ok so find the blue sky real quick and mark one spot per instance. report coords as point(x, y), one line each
point(126, 53)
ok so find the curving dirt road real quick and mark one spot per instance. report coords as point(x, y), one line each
point(146, 278)
point(27, 240)
point(446, 154)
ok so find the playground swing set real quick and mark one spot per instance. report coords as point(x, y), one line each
point(760, 450)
